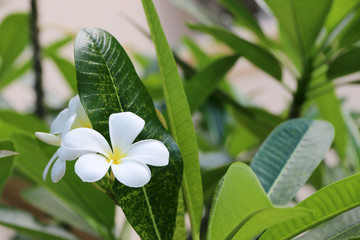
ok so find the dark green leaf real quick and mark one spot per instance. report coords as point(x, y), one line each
point(199, 87)
point(6, 161)
point(326, 203)
point(107, 84)
point(180, 120)
point(344, 64)
point(24, 223)
point(241, 209)
point(260, 57)
point(350, 34)
point(289, 155)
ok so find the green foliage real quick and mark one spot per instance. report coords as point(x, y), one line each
point(6, 161)
point(241, 209)
point(289, 155)
point(345, 64)
point(326, 203)
point(108, 83)
point(179, 116)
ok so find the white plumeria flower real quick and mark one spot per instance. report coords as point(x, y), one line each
point(127, 161)
point(70, 118)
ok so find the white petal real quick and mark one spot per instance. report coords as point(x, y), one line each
point(48, 138)
point(83, 140)
point(68, 125)
point(46, 170)
point(58, 170)
point(75, 107)
point(131, 173)
point(124, 128)
point(152, 152)
point(58, 124)
point(91, 167)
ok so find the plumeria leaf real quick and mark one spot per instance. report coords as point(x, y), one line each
point(108, 83)
point(6, 161)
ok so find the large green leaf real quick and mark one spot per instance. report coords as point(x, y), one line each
point(48, 203)
point(326, 203)
point(289, 155)
point(179, 115)
point(242, 16)
point(6, 161)
point(24, 223)
point(339, 10)
point(199, 87)
point(108, 83)
point(341, 227)
point(241, 209)
point(14, 37)
point(260, 57)
point(302, 20)
point(81, 197)
point(346, 63)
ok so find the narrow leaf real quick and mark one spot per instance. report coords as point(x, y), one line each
point(349, 35)
point(108, 83)
point(181, 124)
point(260, 57)
point(241, 209)
point(6, 161)
point(341, 227)
point(289, 155)
point(199, 87)
point(326, 203)
point(346, 63)
point(67, 69)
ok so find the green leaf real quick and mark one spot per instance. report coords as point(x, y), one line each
point(202, 59)
point(241, 209)
point(302, 20)
point(81, 197)
point(326, 203)
point(341, 227)
point(344, 64)
point(6, 161)
point(24, 223)
point(350, 35)
point(180, 229)
point(242, 16)
point(26, 122)
point(289, 155)
point(48, 203)
point(339, 10)
point(67, 69)
point(179, 115)
point(108, 83)
point(14, 37)
point(55, 46)
point(199, 87)
point(260, 57)
point(14, 72)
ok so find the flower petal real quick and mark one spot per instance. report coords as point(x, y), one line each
point(68, 125)
point(131, 173)
point(48, 138)
point(152, 152)
point(46, 170)
point(75, 107)
point(58, 170)
point(91, 167)
point(83, 140)
point(58, 124)
point(124, 128)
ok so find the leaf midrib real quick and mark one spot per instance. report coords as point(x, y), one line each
point(121, 109)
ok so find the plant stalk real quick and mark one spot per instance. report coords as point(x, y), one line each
point(39, 104)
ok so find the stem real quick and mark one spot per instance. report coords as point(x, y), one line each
point(39, 105)
point(300, 94)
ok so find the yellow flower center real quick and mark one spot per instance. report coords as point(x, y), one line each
point(116, 156)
